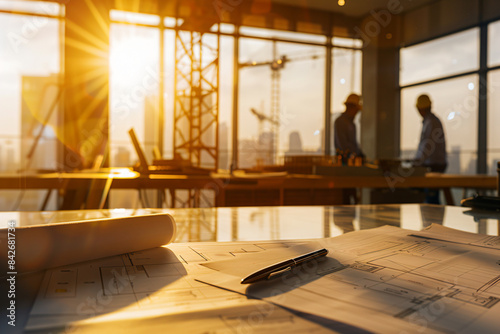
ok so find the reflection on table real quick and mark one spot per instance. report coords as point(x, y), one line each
point(259, 224)
point(284, 222)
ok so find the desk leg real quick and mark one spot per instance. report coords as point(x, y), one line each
point(172, 197)
point(159, 198)
point(220, 197)
point(196, 199)
point(347, 194)
point(46, 200)
point(105, 193)
point(448, 197)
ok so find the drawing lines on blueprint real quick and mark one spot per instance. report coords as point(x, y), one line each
point(489, 285)
point(489, 241)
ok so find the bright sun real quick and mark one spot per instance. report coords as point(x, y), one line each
point(132, 59)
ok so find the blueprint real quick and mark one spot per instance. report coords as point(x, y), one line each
point(383, 280)
point(156, 290)
point(439, 232)
point(387, 280)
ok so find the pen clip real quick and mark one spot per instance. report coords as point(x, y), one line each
point(279, 272)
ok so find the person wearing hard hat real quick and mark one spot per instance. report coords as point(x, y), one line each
point(431, 150)
point(345, 130)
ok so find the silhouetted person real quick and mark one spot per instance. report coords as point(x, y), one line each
point(345, 140)
point(431, 151)
point(345, 129)
point(432, 146)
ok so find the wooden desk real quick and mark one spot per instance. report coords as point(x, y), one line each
point(290, 189)
point(296, 189)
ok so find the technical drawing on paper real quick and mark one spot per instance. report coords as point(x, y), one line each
point(385, 280)
point(155, 284)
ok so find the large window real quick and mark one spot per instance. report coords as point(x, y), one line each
point(278, 114)
point(441, 57)
point(133, 90)
point(135, 76)
point(428, 67)
point(28, 86)
point(346, 78)
point(493, 44)
point(493, 98)
point(493, 117)
point(274, 106)
point(30, 66)
point(226, 100)
point(454, 101)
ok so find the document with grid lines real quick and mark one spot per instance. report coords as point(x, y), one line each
point(157, 290)
point(387, 280)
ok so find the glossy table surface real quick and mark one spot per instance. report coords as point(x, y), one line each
point(283, 222)
point(259, 223)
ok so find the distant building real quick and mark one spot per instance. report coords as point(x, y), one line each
point(294, 144)
point(248, 150)
point(266, 152)
point(151, 117)
point(10, 160)
point(122, 157)
point(39, 95)
point(223, 146)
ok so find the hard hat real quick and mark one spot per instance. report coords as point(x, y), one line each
point(423, 101)
point(354, 99)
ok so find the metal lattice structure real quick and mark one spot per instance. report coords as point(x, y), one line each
point(196, 111)
point(270, 146)
point(276, 67)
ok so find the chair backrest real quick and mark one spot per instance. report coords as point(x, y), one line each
point(143, 163)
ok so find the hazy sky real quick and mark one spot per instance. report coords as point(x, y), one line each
point(23, 54)
point(444, 56)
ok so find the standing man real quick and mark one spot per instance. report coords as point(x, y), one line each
point(432, 146)
point(345, 129)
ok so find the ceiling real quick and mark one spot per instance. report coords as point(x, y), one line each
point(356, 8)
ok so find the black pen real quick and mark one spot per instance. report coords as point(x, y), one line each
point(282, 267)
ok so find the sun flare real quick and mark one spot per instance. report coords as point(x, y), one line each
point(131, 58)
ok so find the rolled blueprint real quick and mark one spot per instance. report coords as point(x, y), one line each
point(44, 246)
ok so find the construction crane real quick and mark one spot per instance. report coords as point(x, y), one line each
point(261, 118)
point(276, 65)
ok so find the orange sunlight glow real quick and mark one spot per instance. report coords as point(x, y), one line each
point(129, 59)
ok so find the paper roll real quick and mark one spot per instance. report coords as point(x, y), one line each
point(45, 246)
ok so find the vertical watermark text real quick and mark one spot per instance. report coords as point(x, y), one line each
point(11, 273)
